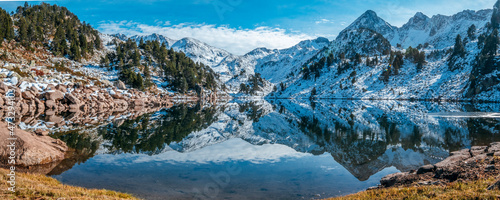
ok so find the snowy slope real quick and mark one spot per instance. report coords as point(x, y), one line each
point(276, 66)
point(273, 65)
point(435, 80)
point(439, 30)
point(154, 37)
point(200, 52)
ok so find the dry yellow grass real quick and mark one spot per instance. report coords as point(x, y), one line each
point(35, 186)
point(457, 190)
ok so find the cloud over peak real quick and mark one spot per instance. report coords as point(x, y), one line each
point(238, 41)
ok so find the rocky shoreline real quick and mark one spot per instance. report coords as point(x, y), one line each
point(80, 105)
point(476, 163)
point(59, 98)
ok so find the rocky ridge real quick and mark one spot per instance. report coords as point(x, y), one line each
point(478, 162)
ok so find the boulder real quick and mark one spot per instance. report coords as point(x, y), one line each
point(54, 95)
point(494, 147)
point(41, 132)
point(478, 150)
point(28, 95)
point(54, 118)
point(426, 168)
point(138, 102)
point(61, 88)
point(71, 98)
point(453, 160)
point(117, 96)
point(391, 179)
point(3, 88)
point(30, 149)
point(50, 104)
point(120, 85)
point(39, 105)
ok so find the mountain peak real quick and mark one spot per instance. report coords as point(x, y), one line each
point(322, 40)
point(418, 22)
point(120, 36)
point(420, 15)
point(370, 14)
point(370, 20)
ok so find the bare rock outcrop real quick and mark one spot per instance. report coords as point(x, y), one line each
point(471, 164)
point(30, 148)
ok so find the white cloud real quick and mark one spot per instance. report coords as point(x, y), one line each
point(324, 21)
point(237, 41)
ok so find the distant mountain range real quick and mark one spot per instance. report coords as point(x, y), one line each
point(371, 37)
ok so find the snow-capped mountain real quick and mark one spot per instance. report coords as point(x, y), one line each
point(360, 41)
point(439, 30)
point(234, 70)
point(370, 20)
point(154, 37)
point(200, 52)
point(370, 37)
point(277, 65)
point(365, 53)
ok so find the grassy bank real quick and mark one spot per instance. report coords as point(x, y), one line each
point(456, 190)
point(35, 186)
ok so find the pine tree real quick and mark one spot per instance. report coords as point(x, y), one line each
point(357, 59)
point(75, 51)
point(459, 49)
point(139, 82)
point(6, 28)
point(491, 44)
point(141, 44)
point(471, 32)
point(397, 63)
point(137, 58)
point(458, 52)
point(83, 44)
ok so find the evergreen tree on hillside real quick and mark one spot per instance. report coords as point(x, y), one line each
point(458, 52)
point(6, 28)
point(397, 63)
point(486, 60)
point(416, 56)
point(180, 71)
point(471, 32)
point(495, 18)
point(37, 24)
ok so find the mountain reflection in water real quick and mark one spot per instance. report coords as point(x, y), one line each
point(282, 149)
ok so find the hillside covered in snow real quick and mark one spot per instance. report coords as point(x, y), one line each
point(438, 58)
point(370, 59)
point(428, 58)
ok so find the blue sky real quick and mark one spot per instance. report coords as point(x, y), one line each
point(242, 25)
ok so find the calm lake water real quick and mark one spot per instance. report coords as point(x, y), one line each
point(283, 149)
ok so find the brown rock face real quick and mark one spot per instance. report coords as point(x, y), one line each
point(30, 149)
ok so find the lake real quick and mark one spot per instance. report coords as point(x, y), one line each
point(277, 149)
